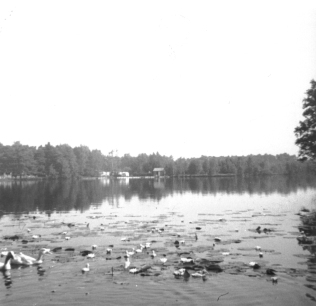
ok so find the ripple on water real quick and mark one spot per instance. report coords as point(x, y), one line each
point(230, 280)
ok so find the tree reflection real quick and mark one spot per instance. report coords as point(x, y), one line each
point(307, 241)
point(66, 195)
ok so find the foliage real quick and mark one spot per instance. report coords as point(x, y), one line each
point(62, 161)
point(17, 159)
point(306, 131)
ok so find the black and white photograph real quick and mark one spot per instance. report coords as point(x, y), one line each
point(157, 152)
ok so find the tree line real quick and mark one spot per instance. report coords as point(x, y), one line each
point(63, 161)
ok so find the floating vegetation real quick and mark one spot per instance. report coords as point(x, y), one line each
point(131, 249)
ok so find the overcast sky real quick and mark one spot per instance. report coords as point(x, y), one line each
point(184, 78)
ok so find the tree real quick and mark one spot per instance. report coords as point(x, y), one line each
point(181, 165)
point(82, 154)
point(205, 164)
point(50, 160)
point(94, 164)
point(306, 131)
point(154, 161)
point(213, 166)
point(20, 159)
point(66, 162)
point(195, 166)
point(126, 163)
point(2, 158)
point(40, 161)
point(139, 166)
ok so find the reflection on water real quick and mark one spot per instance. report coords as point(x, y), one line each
point(79, 195)
point(114, 209)
point(308, 242)
point(265, 185)
point(7, 278)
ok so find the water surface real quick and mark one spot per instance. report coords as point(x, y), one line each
point(102, 212)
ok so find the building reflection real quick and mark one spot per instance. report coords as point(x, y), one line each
point(107, 181)
point(159, 184)
point(66, 195)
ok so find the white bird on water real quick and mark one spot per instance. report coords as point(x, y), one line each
point(108, 251)
point(254, 265)
point(274, 279)
point(201, 273)
point(186, 259)
point(25, 260)
point(133, 270)
point(153, 255)
point(91, 255)
point(181, 272)
point(128, 253)
point(86, 268)
point(139, 250)
point(7, 262)
point(164, 259)
point(127, 262)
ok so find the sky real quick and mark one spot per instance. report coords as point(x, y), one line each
point(182, 78)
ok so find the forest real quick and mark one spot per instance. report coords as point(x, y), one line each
point(62, 161)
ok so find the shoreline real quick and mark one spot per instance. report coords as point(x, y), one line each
point(221, 175)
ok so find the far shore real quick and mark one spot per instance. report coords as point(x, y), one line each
point(34, 178)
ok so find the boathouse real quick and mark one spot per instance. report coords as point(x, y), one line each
point(158, 172)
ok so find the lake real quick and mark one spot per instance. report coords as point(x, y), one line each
point(239, 231)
